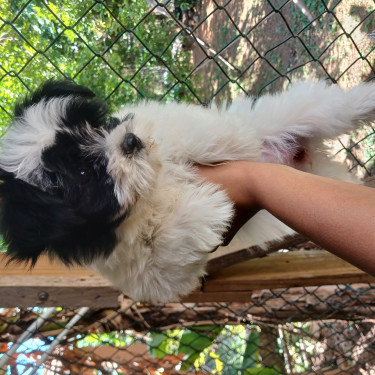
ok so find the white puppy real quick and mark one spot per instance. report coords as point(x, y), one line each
point(119, 193)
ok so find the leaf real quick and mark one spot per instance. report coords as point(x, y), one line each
point(53, 7)
point(219, 365)
point(262, 371)
point(193, 343)
point(251, 351)
point(158, 345)
point(71, 35)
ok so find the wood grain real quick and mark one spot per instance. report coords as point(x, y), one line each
point(51, 284)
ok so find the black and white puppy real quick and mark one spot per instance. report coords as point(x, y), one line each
point(119, 193)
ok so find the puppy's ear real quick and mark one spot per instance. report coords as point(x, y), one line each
point(34, 222)
point(82, 107)
point(53, 89)
point(24, 221)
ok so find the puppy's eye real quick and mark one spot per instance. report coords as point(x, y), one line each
point(84, 175)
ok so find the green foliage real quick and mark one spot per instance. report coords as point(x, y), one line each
point(110, 47)
point(194, 341)
point(300, 20)
point(186, 4)
point(117, 339)
point(160, 344)
point(223, 350)
point(262, 371)
point(250, 357)
point(2, 247)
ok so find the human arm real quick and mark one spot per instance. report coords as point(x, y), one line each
point(337, 215)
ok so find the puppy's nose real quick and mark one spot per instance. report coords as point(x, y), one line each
point(131, 144)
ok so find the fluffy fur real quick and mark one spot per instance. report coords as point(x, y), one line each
point(119, 193)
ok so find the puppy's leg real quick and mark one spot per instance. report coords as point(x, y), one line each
point(281, 128)
point(292, 124)
point(317, 110)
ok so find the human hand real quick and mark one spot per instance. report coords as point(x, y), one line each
point(234, 178)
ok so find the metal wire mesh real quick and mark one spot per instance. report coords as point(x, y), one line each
point(196, 51)
point(314, 330)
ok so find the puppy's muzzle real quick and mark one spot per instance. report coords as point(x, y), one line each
point(131, 144)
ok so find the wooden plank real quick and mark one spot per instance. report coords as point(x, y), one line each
point(300, 268)
point(223, 296)
point(44, 267)
point(223, 260)
point(46, 296)
point(51, 284)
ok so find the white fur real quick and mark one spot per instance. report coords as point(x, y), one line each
point(174, 224)
point(165, 243)
point(28, 137)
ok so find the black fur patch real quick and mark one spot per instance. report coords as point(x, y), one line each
point(34, 222)
point(75, 217)
point(81, 179)
point(112, 122)
point(52, 89)
point(81, 110)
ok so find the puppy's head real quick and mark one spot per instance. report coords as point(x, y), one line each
point(70, 173)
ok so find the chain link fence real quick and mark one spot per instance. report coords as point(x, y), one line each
point(310, 330)
point(195, 51)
